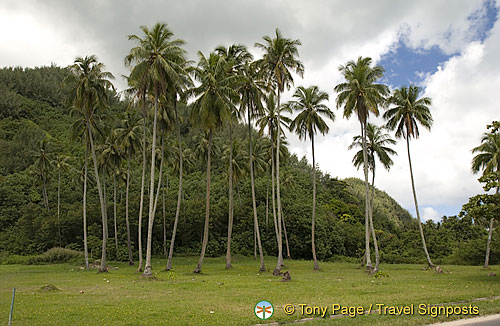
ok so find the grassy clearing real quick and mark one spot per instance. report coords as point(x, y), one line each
point(122, 297)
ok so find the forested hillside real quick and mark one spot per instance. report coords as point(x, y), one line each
point(37, 127)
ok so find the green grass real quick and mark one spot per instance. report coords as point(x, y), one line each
point(184, 298)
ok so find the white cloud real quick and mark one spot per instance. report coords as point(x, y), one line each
point(430, 213)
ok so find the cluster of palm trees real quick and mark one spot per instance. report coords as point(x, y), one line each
point(225, 87)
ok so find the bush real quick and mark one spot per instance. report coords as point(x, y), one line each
point(56, 255)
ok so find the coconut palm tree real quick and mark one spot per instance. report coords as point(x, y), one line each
point(61, 164)
point(488, 160)
point(158, 61)
point(406, 113)
point(361, 94)
point(309, 101)
point(215, 98)
point(112, 156)
point(277, 64)
point(89, 96)
point(236, 56)
point(378, 143)
point(128, 137)
point(270, 119)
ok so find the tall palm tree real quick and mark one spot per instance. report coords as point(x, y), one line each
point(407, 111)
point(277, 64)
point(309, 101)
point(60, 163)
point(361, 94)
point(112, 157)
point(213, 106)
point(235, 56)
point(270, 119)
point(488, 160)
point(90, 95)
point(158, 60)
point(377, 145)
point(128, 137)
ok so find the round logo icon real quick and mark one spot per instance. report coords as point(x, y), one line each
point(264, 310)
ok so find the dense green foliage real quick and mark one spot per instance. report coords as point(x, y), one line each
point(34, 107)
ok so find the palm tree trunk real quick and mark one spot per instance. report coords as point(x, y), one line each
point(147, 268)
point(179, 192)
point(230, 216)
point(316, 266)
point(277, 270)
point(207, 208)
point(267, 208)
point(141, 204)
point(85, 247)
point(429, 262)
point(164, 222)
point(45, 197)
point(59, 206)
point(490, 232)
point(254, 205)
point(286, 236)
point(104, 213)
point(273, 194)
point(129, 247)
point(367, 199)
point(375, 244)
point(114, 212)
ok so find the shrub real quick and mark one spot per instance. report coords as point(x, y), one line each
point(56, 255)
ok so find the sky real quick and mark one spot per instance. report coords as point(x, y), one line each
point(449, 49)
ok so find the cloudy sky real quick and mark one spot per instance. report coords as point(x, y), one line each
point(450, 49)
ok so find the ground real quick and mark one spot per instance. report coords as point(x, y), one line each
point(228, 297)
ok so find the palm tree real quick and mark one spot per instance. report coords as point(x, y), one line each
point(43, 169)
point(213, 106)
point(60, 163)
point(271, 119)
point(377, 145)
point(89, 95)
point(158, 61)
point(407, 112)
point(128, 137)
point(361, 94)
point(488, 160)
point(309, 121)
point(111, 158)
point(235, 56)
point(277, 63)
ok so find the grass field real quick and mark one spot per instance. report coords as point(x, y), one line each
point(228, 297)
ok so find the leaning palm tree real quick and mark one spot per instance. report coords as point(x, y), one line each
point(89, 96)
point(276, 65)
point(60, 163)
point(215, 98)
point(309, 101)
point(488, 160)
point(158, 60)
point(361, 94)
point(377, 145)
point(407, 111)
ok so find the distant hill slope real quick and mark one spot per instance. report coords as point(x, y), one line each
point(387, 212)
